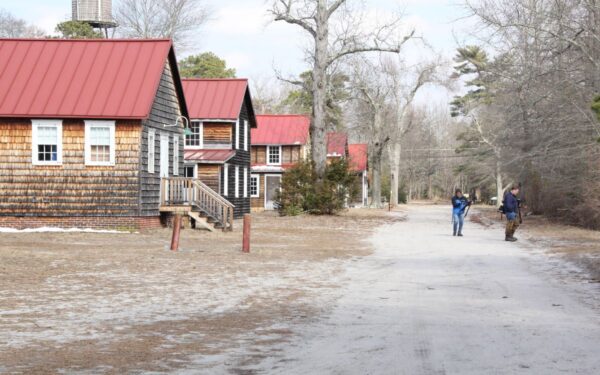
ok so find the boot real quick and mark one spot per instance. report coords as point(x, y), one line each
point(510, 239)
point(460, 234)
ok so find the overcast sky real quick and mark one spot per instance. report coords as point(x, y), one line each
point(241, 32)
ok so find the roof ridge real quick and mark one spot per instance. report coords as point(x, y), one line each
point(282, 115)
point(214, 79)
point(83, 40)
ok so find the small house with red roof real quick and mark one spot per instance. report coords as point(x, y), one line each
point(217, 146)
point(278, 142)
point(89, 129)
point(337, 145)
point(358, 160)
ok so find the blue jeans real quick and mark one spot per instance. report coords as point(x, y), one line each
point(457, 221)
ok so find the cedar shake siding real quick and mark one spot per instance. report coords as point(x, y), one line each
point(290, 155)
point(130, 87)
point(210, 174)
point(72, 188)
point(165, 110)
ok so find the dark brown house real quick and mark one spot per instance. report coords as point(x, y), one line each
point(88, 128)
point(217, 148)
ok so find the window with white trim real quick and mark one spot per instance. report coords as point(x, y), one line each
point(274, 155)
point(245, 182)
point(176, 155)
point(246, 135)
point(237, 134)
point(225, 179)
point(46, 142)
point(237, 181)
point(254, 186)
point(151, 149)
point(195, 138)
point(99, 142)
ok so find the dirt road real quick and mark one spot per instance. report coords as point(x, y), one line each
point(311, 298)
point(429, 303)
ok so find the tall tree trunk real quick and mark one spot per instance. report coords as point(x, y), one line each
point(376, 189)
point(396, 150)
point(376, 163)
point(499, 183)
point(318, 126)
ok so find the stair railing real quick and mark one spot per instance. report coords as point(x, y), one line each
point(184, 191)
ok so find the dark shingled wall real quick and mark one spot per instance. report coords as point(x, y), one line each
point(241, 159)
point(165, 110)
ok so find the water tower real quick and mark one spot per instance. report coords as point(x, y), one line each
point(98, 13)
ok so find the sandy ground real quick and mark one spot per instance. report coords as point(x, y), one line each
point(122, 303)
point(578, 247)
point(430, 303)
point(366, 293)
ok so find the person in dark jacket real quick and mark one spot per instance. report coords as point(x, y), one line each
point(459, 203)
point(511, 210)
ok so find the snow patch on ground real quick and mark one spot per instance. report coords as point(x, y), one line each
point(57, 230)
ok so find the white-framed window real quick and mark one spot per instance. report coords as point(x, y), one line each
point(246, 135)
point(151, 149)
point(196, 138)
point(176, 155)
point(237, 181)
point(254, 186)
point(237, 134)
point(273, 155)
point(46, 142)
point(99, 142)
point(225, 179)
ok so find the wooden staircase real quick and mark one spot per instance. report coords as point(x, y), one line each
point(189, 196)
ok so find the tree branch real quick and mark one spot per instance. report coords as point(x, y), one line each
point(376, 47)
point(286, 16)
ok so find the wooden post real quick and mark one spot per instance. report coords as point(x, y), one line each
point(176, 231)
point(246, 238)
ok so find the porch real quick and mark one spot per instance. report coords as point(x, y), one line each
point(191, 197)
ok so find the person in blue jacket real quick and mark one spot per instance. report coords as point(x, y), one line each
point(459, 204)
point(511, 210)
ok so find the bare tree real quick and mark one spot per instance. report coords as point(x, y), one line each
point(176, 19)
point(13, 27)
point(544, 78)
point(335, 33)
point(406, 84)
point(268, 94)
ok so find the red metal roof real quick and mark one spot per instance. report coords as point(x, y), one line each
point(215, 99)
point(209, 156)
point(337, 144)
point(281, 130)
point(93, 78)
point(358, 154)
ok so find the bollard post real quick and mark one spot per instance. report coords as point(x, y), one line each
point(246, 238)
point(176, 230)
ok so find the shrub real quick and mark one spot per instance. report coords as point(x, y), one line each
point(302, 192)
